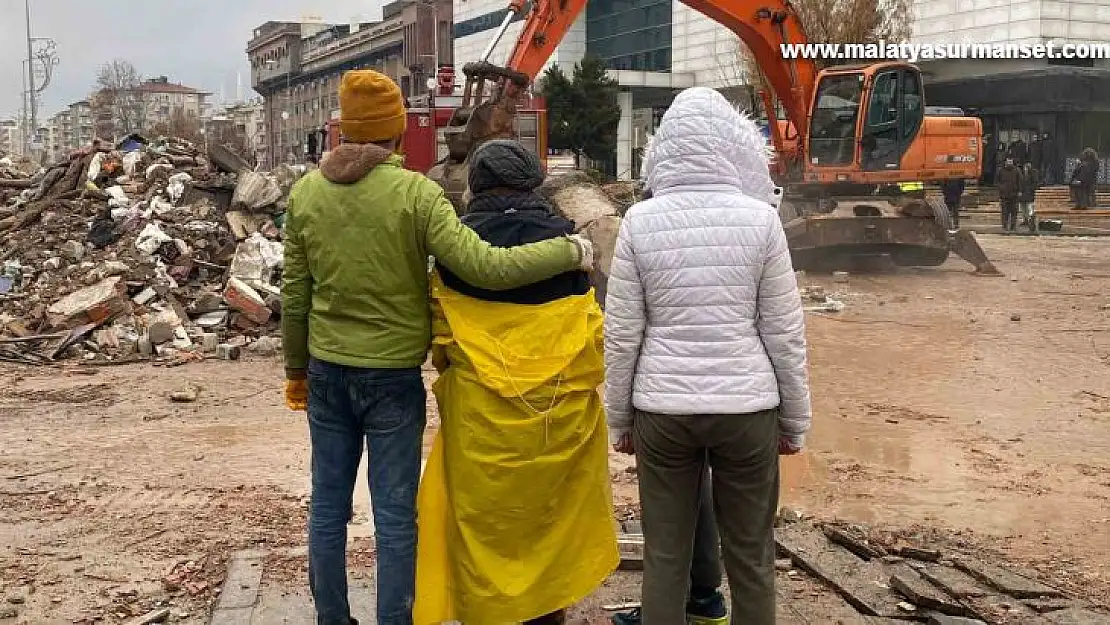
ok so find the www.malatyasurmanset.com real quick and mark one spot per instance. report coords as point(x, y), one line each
point(914, 52)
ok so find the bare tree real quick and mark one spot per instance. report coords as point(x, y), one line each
point(855, 21)
point(838, 22)
point(119, 96)
point(182, 125)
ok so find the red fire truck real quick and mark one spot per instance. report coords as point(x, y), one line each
point(423, 144)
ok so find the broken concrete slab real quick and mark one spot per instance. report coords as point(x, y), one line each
point(95, 304)
point(864, 584)
point(243, 582)
point(1007, 581)
point(954, 582)
point(923, 594)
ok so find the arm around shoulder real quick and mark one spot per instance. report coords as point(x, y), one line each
point(480, 264)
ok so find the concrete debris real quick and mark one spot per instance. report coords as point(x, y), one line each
point(228, 352)
point(117, 241)
point(95, 304)
point(240, 296)
point(186, 396)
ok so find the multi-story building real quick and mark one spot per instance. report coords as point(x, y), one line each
point(70, 129)
point(243, 125)
point(1055, 107)
point(11, 138)
point(652, 48)
point(163, 100)
point(297, 67)
point(81, 118)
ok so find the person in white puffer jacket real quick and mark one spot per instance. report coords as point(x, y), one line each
point(705, 352)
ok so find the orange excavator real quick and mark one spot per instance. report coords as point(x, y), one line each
point(849, 136)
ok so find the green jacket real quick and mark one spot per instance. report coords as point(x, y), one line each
point(358, 237)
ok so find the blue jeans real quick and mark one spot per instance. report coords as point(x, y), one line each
point(387, 408)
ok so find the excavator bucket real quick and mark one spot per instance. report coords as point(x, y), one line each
point(966, 246)
point(478, 120)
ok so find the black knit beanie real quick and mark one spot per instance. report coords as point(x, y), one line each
point(504, 164)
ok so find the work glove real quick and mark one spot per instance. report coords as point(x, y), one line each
point(296, 395)
point(585, 250)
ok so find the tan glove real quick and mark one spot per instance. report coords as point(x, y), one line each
point(296, 395)
point(586, 252)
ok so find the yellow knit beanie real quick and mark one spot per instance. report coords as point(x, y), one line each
point(371, 107)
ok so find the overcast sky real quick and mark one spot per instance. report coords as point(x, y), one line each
point(199, 43)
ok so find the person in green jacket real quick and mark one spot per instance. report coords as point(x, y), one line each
point(356, 321)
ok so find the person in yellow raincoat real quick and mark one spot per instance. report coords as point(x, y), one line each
point(515, 509)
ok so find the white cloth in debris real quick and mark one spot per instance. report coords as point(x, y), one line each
point(703, 314)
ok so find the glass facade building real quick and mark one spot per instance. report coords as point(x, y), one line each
point(630, 34)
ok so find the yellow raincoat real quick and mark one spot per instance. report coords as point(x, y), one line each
point(515, 509)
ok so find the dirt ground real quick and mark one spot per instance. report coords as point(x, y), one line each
point(976, 408)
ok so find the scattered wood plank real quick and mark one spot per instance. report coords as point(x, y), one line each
point(620, 607)
point(19, 476)
point(917, 553)
point(1052, 604)
point(1007, 581)
point(955, 583)
point(944, 619)
point(632, 553)
point(925, 595)
point(855, 544)
point(862, 584)
point(1078, 616)
point(37, 337)
point(154, 616)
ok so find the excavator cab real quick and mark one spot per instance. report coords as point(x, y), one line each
point(868, 126)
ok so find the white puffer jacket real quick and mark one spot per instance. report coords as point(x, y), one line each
point(703, 314)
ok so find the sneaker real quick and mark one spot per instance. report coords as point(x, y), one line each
point(711, 610)
point(632, 617)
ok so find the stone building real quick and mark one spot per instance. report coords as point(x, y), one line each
point(297, 66)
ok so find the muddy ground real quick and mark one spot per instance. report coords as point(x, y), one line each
point(976, 409)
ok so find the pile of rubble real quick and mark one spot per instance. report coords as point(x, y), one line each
point(144, 250)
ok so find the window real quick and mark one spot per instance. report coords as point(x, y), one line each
point(832, 129)
point(914, 111)
point(630, 34)
point(884, 99)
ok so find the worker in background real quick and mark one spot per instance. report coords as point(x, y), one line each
point(705, 354)
point(705, 605)
point(953, 190)
point(357, 328)
point(1084, 179)
point(1008, 183)
point(1030, 182)
point(515, 507)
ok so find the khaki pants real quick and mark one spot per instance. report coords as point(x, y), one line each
point(742, 451)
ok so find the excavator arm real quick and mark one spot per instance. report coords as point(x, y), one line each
point(761, 24)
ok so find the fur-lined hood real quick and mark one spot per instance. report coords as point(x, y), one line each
point(704, 140)
point(350, 162)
